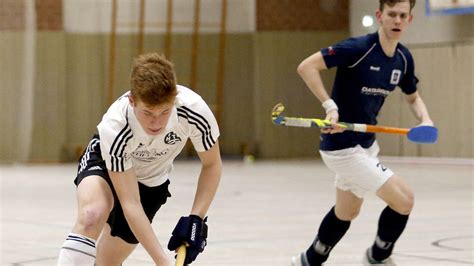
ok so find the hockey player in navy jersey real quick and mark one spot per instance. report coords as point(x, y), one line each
point(368, 69)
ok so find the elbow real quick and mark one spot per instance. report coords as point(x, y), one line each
point(213, 165)
point(308, 68)
point(214, 169)
point(413, 98)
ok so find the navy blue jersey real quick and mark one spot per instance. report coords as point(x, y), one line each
point(365, 76)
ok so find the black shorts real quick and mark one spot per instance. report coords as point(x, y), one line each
point(152, 198)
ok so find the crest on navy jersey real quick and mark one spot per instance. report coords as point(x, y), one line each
point(395, 78)
point(172, 138)
point(331, 51)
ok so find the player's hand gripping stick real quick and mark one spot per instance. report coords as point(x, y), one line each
point(191, 230)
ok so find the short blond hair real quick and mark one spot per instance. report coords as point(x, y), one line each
point(153, 80)
point(393, 2)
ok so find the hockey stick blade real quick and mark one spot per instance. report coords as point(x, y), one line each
point(423, 134)
point(277, 119)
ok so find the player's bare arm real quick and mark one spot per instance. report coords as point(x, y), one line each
point(309, 71)
point(126, 186)
point(419, 109)
point(192, 229)
point(209, 178)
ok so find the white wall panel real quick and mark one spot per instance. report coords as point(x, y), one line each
point(94, 16)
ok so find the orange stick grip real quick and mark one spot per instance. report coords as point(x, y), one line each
point(390, 130)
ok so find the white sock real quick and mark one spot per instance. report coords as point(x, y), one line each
point(77, 250)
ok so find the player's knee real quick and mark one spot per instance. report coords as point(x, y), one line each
point(352, 215)
point(111, 260)
point(347, 214)
point(92, 217)
point(409, 203)
point(405, 205)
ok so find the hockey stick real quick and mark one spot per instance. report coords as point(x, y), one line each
point(181, 256)
point(420, 134)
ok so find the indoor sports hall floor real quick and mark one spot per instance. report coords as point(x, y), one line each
point(264, 213)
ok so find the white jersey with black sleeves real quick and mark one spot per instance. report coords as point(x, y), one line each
point(124, 144)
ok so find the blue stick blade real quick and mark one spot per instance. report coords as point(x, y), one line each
point(279, 120)
point(423, 134)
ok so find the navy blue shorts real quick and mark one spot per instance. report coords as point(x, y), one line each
point(152, 198)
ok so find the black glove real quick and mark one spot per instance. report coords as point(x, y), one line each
point(193, 231)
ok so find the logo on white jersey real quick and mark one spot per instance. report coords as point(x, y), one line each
point(395, 78)
point(171, 138)
point(149, 155)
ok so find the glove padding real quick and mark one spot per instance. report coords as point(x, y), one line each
point(193, 231)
